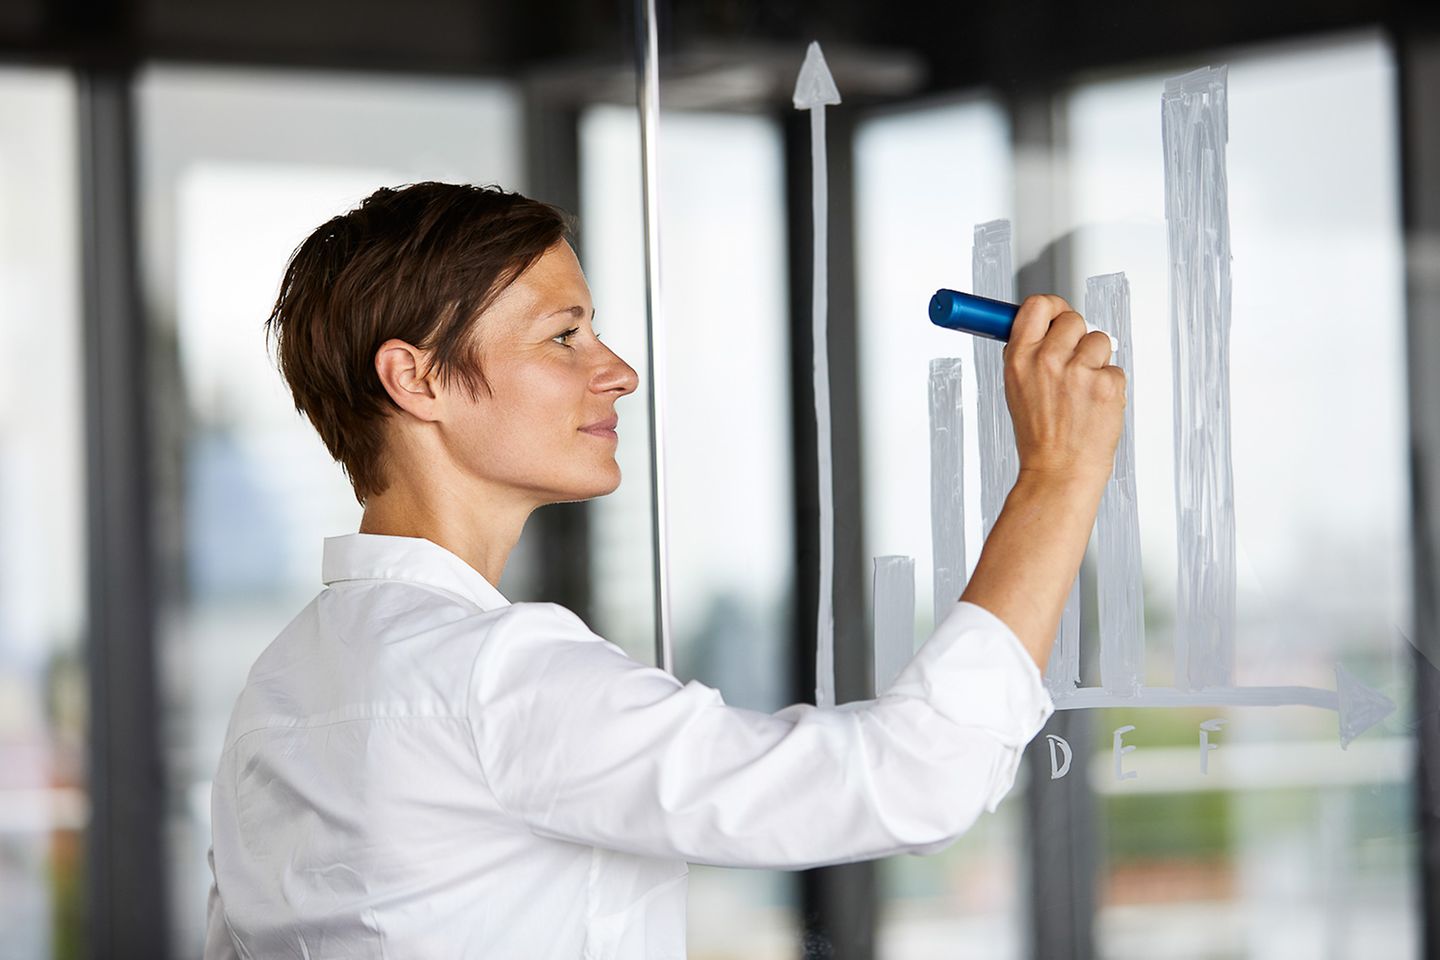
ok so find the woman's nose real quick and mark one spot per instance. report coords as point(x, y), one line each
point(615, 375)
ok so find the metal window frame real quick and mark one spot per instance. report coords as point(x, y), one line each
point(125, 875)
point(1418, 76)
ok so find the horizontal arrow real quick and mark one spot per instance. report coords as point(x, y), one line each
point(1359, 707)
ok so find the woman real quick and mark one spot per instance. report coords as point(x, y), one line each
point(418, 768)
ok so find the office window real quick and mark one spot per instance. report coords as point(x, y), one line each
point(731, 533)
point(1288, 847)
point(44, 793)
point(237, 168)
point(923, 178)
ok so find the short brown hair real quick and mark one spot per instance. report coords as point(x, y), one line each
point(419, 263)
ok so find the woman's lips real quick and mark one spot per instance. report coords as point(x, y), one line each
point(603, 428)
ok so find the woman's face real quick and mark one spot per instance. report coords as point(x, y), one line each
point(547, 429)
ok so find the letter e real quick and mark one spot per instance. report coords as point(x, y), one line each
point(1121, 748)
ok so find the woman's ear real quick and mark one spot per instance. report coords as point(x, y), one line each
point(404, 372)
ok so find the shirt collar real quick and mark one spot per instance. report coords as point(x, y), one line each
point(372, 556)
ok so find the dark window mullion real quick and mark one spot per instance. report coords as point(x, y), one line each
point(126, 877)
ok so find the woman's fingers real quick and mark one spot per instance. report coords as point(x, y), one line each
point(1066, 399)
point(1093, 350)
point(1033, 319)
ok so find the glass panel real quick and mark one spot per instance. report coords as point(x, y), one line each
point(923, 179)
point(238, 167)
point(1287, 847)
point(44, 796)
point(731, 534)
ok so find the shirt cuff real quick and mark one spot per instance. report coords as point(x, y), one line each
point(974, 672)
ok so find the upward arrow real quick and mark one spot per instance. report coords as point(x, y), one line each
point(814, 90)
point(815, 86)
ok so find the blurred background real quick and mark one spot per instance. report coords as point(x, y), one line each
point(162, 506)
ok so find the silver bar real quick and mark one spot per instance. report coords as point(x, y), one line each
point(947, 485)
point(1194, 124)
point(894, 641)
point(993, 275)
point(1120, 591)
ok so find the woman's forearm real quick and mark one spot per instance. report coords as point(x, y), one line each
point(1033, 554)
point(1067, 404)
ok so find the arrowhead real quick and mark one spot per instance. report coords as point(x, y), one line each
point(1360, 707)
point(815, 86)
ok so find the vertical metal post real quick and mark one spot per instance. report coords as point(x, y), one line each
point(126, 875)
point(647, 52)
point(1419, 77)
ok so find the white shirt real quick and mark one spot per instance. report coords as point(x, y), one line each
point(418, 768)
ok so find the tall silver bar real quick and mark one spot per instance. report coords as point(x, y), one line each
point(894, 640)
point(993, 275)
point(1119, 586)
point(947, 484)
point(648, 54)
point(1194, 125)
point(1062, 672)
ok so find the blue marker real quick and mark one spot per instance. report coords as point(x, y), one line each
point(978, 315)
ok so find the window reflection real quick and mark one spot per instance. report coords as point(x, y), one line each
point(1289, 847)
point(924, 178)
point(238, 167)
point(731, 536)
point(44, 797)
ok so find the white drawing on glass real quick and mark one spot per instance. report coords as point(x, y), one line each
point(1208, 727)
point(1195, 130)
point(1060, 755)
point(814, 91)
point(1120, 748)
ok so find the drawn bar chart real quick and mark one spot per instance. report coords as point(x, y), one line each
point(1119, 584)
point(1193, 117)
point(993, 276)
point(1193, 120)
point(947, 484)
point(1194, 127)
point(894, 638)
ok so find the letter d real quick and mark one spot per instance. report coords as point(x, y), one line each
point(1058, 768)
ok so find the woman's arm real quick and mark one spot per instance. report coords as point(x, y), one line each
point(583, 744)
point(1067, 403)
point(218, 943)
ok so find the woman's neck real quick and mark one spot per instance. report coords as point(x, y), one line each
point(479, 529)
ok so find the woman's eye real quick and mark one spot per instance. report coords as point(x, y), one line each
point(561, 338)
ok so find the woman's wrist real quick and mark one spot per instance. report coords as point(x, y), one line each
point(1075, 483)
point(1033, 553)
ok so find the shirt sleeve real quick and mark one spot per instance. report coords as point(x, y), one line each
point(586, 745)
point(218, 943)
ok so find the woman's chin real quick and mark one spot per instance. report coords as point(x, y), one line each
point(602, 484)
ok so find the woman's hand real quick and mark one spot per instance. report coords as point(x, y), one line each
point(1068, 406)
point(1066, 399)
